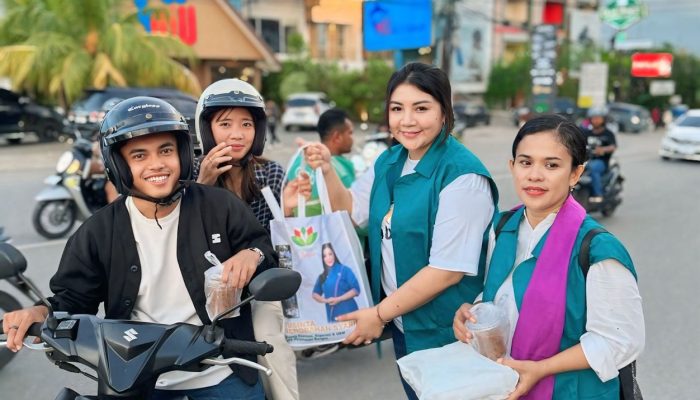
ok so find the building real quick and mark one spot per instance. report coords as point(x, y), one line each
point(331, 29)
point(226, 45)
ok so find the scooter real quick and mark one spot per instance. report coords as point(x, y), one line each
point(12, 267)
point(612, 189)
point(74, 192)
point(128, 356)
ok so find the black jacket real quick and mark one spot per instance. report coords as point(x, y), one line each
point(100, 263)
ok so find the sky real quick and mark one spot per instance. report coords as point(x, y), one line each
point(673, 21)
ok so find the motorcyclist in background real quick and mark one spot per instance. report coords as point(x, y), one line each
point(602, 144)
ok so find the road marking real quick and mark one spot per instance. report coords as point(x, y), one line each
point(30, 246)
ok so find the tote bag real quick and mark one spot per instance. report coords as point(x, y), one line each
point(310, 314)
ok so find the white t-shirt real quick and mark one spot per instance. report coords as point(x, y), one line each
point(457, 235)
point(614, 320)
point(163, 297)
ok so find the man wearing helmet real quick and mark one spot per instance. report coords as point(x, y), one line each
point(143, 255)
point(603, 144)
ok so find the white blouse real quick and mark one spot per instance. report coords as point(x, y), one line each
point(614, 334)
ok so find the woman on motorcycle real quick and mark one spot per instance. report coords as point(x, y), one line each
point(231, 125)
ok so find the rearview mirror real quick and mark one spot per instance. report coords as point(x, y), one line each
point(275, 284)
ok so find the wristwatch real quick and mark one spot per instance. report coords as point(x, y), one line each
point(260, 253)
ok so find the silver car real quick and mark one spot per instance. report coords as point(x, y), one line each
point(682, 139)
point(303, 110)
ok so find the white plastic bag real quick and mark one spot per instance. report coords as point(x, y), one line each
point(456, 371)
point(219, 296)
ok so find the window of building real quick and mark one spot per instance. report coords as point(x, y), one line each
point(270, 33)
point(322, 40)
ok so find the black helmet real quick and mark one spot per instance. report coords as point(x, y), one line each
point(230, 93)
point(136, 117)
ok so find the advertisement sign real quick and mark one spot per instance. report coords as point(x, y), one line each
point(471, 44)
point(652, 65)
point(544, 72)
point(396, 24)
point(662, 88)
point(621, 14)
point(593, 85)
point(181, 19)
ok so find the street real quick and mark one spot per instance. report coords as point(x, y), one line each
point(658, 222)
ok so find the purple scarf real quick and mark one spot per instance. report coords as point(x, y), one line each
point(541, 321)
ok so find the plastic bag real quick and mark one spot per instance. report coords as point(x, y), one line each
point(219, 296)
point(456, 371)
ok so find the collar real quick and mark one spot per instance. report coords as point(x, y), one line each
point(430, 160)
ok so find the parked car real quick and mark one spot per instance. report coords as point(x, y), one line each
point(303, 109)
point(20, 115)
point(567, 107)
point(630, 117)
point(682, 140)
point(471, 113)
point(87, 113)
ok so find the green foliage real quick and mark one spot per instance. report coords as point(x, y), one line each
point(508, 80)
point(356, 91)
point(54, 49)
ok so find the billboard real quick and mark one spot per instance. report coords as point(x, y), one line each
point(471, 45)
point(652, 65)
point(396, 24)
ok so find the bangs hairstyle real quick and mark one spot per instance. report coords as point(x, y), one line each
point(428, 79)
point(566, 132)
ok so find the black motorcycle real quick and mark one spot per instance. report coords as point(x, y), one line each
point(612, 181)
point(128, 356)
point(74, 192)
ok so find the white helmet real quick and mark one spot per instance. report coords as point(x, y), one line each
point(230, 93)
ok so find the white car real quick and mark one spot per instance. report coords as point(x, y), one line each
point(303, 109)
point(682, 140)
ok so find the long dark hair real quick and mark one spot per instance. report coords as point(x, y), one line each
point(428, 79)
point(326, 268)
point(249, 184)
point(566, 131)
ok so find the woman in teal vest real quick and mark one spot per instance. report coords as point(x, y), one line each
point(427, 203)
point(570, 332)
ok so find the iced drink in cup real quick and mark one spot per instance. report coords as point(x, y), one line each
point(220, 297)
point(490, 330)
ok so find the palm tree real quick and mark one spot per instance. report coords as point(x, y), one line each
point(55, 49)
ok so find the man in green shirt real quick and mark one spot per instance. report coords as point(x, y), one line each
point(335, 130)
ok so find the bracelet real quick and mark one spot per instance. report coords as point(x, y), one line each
point(384, 322)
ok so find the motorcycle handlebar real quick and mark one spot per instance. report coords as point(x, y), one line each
point(246, 347)
point(34, 329)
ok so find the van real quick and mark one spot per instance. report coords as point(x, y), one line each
point(302, 110)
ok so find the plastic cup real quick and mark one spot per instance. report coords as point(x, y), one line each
point(490, 330)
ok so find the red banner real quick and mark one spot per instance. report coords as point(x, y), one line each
point(652, 65)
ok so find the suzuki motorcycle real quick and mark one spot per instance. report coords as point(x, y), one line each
point(73, 194)
point(612, 189)
point(128, 356)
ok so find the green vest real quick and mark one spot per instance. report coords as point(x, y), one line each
point(343, 167)
point(583, 384)
point(416, 200)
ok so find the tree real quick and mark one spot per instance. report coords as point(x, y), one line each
point(509, 80)
point(55, 49)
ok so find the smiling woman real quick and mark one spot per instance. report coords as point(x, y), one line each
point(572, 326)
point(424, 248)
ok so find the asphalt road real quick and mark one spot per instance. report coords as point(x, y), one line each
point(658, 221)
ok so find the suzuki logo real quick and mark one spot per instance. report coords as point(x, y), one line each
point(130, 335)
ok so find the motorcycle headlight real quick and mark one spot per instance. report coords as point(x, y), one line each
point(64, 162)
